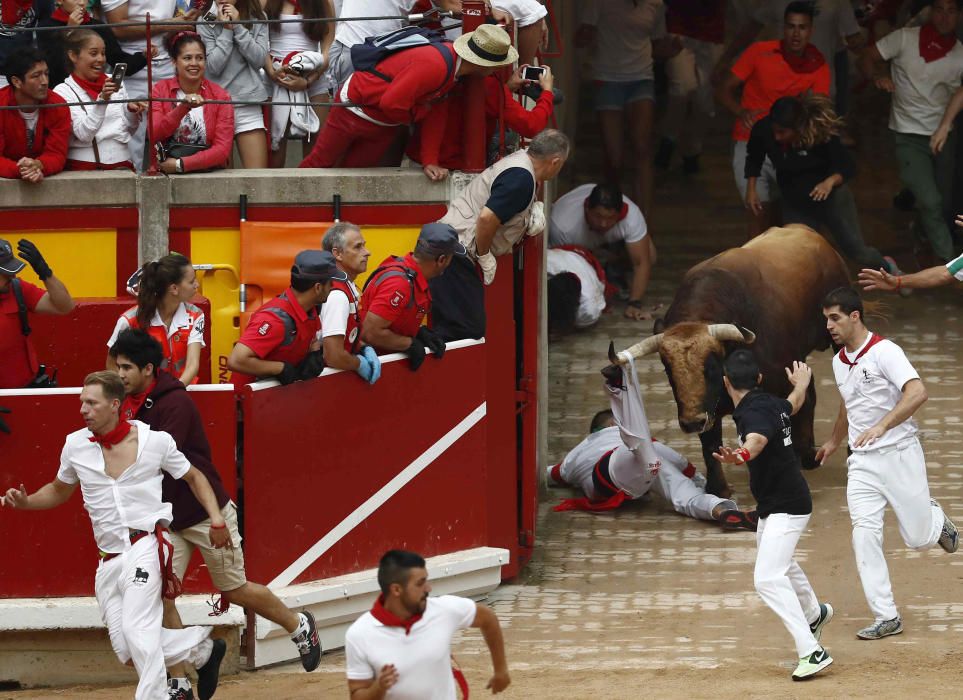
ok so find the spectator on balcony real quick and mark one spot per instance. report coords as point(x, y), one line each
point(19, 367)
point(279, 341)
point(310, 85)
point(235, 56)
point(19, 14)
point(33, 141)
point(492, 215)
point(406, 90)
point(341, 314)
point(156, 398)
point(499, 103)
point(397, 300)
point(73, 13)
point(100, 132)
point(164, 292)
point(192, 135)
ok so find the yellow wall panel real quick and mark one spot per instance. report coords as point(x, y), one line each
point(85, 261)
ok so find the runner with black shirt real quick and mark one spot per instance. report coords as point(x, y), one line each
point(783, 501)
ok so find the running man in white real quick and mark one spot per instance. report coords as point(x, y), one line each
point(118, 465)
point(620, 461)
point(881, 391)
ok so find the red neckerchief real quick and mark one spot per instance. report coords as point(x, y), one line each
point(933, 45)
point(810, 61)
point(389, 619)
point(61, 16)
point(610, 289)
point(13, 10)
point(91, 87)
point(297, 7)
point(108, 440)
point(133, 403)
point(873, 339)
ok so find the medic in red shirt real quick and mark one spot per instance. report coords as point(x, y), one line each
point(396, 299)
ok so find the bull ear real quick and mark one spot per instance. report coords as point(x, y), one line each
point(658, 326)
point(729, 331)
point(646, 347)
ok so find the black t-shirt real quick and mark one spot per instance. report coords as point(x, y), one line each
point(775, 477)
point(511, 192)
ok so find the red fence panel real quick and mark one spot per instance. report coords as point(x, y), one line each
point(336, 471)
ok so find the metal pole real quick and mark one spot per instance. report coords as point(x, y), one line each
point(337, 207)
point(150, 156)
point(473, 15)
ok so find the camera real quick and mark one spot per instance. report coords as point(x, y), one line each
point(533, 73)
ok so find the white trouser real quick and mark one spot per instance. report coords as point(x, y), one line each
point(688, 73)
point(685, 495)
point(894, 475)
point(781, 583)
point(128, 590)
point(634, 466)
point(137, 90)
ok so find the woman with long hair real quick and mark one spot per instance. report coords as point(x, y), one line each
point(99, 132)
point(193, 134)
point(291, 38)
point(801, 137)
point(235, 56)
point(165, 312)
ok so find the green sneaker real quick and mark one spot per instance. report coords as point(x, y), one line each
point(825, 615)
point(811, 665)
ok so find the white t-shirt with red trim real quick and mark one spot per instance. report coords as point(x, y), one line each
point(568, 226)
point(422, 657)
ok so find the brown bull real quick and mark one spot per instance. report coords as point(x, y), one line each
point(767, 293)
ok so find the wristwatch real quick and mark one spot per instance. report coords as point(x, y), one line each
point(178, 166)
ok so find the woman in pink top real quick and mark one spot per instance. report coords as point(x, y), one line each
point(193, 134)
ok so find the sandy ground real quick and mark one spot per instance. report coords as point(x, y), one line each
point(647, 603)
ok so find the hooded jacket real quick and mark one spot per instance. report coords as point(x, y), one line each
point(50, 140)
point(168, 407)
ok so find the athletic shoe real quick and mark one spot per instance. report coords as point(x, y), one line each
point(950, 536)
point(893, 269)
point(180, 693)
point(878, 630)
point(309, 646)
point(825, 615)
point(209, 674)
point(811, 665)
point(739, 520)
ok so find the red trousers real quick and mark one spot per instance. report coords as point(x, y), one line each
point(348, 141)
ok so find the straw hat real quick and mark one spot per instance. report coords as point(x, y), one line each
point(489, 45)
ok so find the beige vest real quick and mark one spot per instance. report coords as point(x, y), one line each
point(463, 212)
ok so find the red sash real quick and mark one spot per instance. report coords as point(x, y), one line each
point(584, 504)
point(610, 289)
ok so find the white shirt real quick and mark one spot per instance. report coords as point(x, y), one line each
point(180, 322)
point(569, 227)
point(872, 389)
point(351, 33)
point(336, 310)
point(133, 500)
point(110, 122)
point(422, 657)
point(591, 300)
point(923, 90)
point(160, 10)
point(955, 266)
point(623, 46)
point(525, 12)
point(578, 465)
point(834, 20)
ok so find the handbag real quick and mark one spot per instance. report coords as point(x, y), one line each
point(179, 150)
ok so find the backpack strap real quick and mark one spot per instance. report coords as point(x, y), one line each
point(290, 327)
point(21, 307)
point(396, 269)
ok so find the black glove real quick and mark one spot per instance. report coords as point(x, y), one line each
point(311, 365)
point(4, 428)
point(432, 341)
point(416, 354)
point(28, 251)
point(288, 375)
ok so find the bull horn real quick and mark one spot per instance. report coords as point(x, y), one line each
point(729, 331)
point(646, 347)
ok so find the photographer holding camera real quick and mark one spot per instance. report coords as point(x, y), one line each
point(19, 367)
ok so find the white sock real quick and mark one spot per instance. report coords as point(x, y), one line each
point(302, 626)
point(201, 654)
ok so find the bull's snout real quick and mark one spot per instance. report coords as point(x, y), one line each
point(694, 425)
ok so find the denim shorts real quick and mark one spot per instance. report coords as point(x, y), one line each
point(610, 95)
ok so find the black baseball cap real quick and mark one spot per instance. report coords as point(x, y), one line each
point(9, 263)
point(317, 265)
point(439, 239)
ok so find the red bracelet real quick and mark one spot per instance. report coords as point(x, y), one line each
point(899, 282)
point(218, 527)
point(743, 454)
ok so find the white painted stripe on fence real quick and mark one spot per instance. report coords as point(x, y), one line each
point(358, 516)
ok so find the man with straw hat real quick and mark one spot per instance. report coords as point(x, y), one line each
point(406, 86)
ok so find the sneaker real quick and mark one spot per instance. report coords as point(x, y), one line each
point(893, 269)
point(811, 665)
point(209, 674)
point(739, 520)
point(309, 646)
point(950, 536)
point(179, 693)
point(825, 615)
point(878, 630)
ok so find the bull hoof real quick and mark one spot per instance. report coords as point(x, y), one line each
point(807, 458)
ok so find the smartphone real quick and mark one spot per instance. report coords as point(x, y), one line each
point(117, 77)
point(533, 73)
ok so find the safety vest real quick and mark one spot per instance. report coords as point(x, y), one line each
point(352, 333)
point(174, 347)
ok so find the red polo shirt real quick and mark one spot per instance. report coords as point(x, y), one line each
point(390, 296)
point(270, 338)
point(18, 361)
